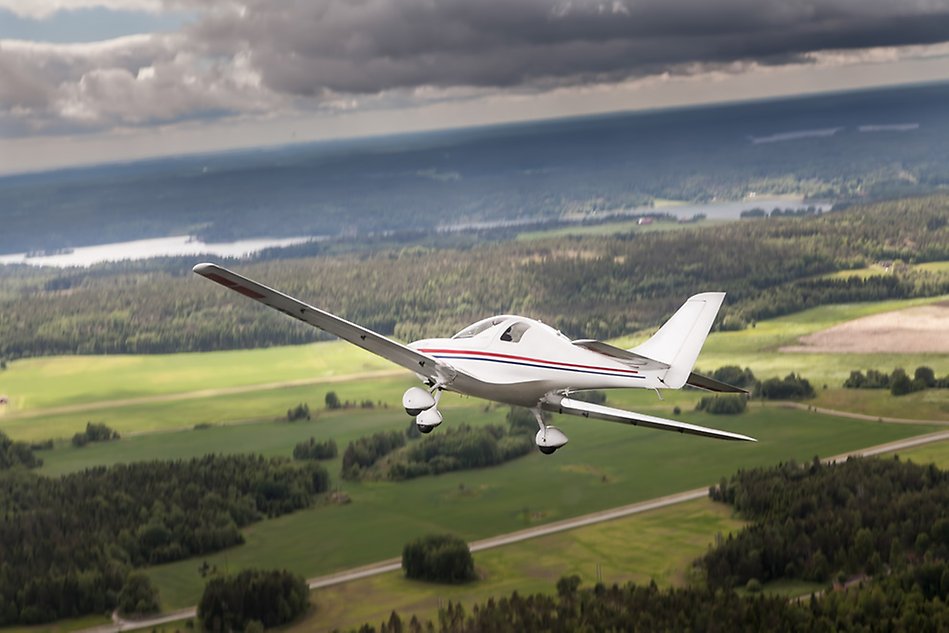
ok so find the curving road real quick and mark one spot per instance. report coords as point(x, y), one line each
point(394, 564)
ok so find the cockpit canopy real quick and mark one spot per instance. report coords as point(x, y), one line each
point(510, 328)
point(477, 328)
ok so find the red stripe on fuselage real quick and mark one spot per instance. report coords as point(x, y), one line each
point(525, 358)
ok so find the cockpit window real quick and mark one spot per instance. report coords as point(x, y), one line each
point(514, 333)
point(478, 328)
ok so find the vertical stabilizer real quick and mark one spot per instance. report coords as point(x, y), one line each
point(679, 341)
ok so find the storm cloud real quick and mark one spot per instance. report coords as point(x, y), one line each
point(261, 56)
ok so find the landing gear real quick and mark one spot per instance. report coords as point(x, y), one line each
point(548, 438)
point(423, 406)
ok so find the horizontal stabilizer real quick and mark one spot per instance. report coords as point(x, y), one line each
point(563, 404)
point(625, 356)
point(710, 384)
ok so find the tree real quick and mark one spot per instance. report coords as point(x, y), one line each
point(438, 558)
point(925, 375)
point(900, 383)
point(138, 596)
point(251, 598)
point(95, 432)
point(722, 405)
point(332, 400)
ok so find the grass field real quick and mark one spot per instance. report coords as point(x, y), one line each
point(604, 466)
point(61, 626)
point(936, 453)
point(659, 545)
point(65, 380)
point(252, 405)
point(610, 228)
point(876, 270)
point(37, 384)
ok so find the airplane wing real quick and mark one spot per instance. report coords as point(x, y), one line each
point(420, 363)
point(562, 404)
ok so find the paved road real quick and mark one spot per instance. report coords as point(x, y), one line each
point(199, 394)
point(393, 564)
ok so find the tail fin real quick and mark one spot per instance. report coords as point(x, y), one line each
point(679, 341)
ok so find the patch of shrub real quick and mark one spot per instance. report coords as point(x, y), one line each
point(722, 405)
point(438, 558)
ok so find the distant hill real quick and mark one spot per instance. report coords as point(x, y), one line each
point(856, 145)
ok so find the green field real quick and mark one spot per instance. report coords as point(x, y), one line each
point(604, 466)
point(252, 405)
point(877, 270)
point(659, 545)
point(62, 626)
point(39, 383)
point(936, 453)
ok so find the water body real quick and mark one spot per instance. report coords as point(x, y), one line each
point(145, 249)
point(732, 210)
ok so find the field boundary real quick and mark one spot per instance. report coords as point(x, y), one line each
point(394, 564)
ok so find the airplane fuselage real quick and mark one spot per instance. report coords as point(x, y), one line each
point(516, 360)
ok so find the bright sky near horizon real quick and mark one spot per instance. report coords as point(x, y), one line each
point(86, 81)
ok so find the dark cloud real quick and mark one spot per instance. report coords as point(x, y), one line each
point(364, 47)
point(266, 56)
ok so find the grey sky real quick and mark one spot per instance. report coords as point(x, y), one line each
point(299, 69)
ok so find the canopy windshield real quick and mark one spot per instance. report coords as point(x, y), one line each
point(479, 327)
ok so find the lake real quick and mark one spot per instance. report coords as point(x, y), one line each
point(145, 249)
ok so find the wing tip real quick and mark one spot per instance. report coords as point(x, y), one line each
point(204, 268)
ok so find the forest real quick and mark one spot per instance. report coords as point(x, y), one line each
point(67, 544)
point(879, 523)
point(817, 521)
point(594, 286)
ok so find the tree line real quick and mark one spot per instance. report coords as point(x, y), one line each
point(904, 602)
point(596, 286)
point(67, 544)
point(898, 381)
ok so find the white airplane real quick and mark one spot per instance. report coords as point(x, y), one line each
point(520, 361)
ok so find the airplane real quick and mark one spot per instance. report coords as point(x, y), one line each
point(520, 361)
